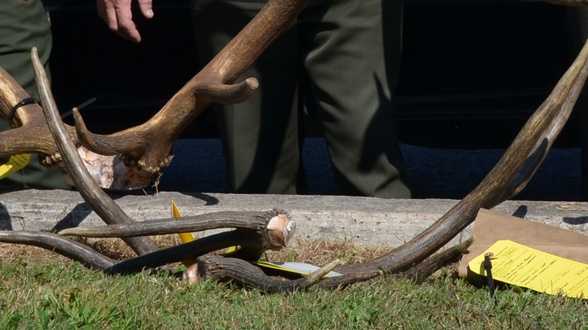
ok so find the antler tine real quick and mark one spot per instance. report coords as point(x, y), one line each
point(60, 245)
point(208, 221)
point(31, 135)
point(228, 93)
point(104, 206)
point(181, 252)
point(150, 144)
point(24, 140)
point(115, 144)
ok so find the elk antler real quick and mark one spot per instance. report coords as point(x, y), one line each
point(150, 144)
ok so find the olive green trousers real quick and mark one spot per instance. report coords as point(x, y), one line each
point(25, 24)
point(339, 63)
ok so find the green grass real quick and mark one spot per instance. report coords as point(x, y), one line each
point(64, 295)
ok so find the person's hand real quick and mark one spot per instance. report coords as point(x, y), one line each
point(119, 17)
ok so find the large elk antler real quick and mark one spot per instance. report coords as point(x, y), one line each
point(510, 175)
point(149, 144)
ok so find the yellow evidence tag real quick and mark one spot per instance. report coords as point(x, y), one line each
point(188, 237)
point(15, 163)
point(184, 237)
point(520, 265)
point(177, 215)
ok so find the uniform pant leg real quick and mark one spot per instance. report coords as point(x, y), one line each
point(260, 135)
point(352, 52)
point(25, 24)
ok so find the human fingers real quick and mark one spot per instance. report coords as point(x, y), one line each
point(107, 12)
point(126, 26)
point(146, 7)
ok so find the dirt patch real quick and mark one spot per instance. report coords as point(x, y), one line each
point(315, 252)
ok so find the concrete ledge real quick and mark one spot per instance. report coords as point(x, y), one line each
point(368, 221)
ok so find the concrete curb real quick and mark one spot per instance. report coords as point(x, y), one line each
point(367, 221)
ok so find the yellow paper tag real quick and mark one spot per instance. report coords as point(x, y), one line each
point(184, 237)
point(14, 164)
point(520, 265)
point(176, 214)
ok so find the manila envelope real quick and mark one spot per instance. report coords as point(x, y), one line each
point(490, 227)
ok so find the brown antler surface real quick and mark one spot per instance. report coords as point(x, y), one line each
point(252, 243)
point(208, 221)
point(150, 143)
point(231, 269)
point(58, 244)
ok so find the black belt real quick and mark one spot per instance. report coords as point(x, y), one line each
point(23, 103)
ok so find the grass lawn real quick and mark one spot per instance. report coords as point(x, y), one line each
point(38, 290)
